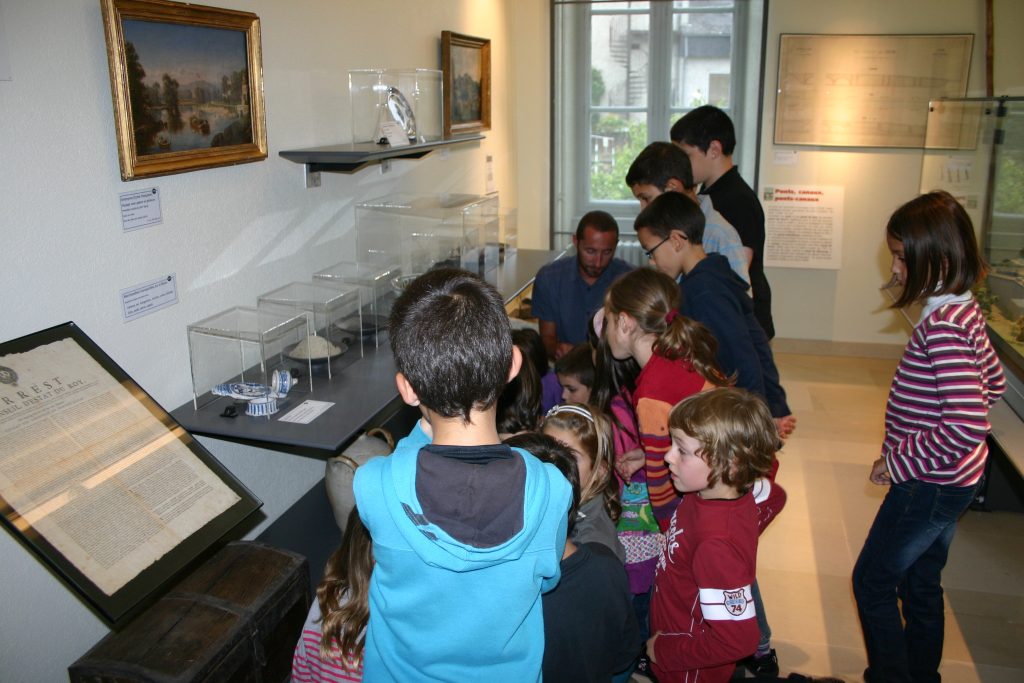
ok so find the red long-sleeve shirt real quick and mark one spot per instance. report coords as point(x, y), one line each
point(702, 604)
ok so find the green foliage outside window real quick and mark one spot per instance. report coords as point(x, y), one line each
point(608, 181)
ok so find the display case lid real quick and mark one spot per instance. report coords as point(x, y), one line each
point(438, 206)
point(248, 324)
point(313, 296)
point(360, 273)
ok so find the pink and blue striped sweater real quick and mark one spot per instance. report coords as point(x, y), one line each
point(936, 419)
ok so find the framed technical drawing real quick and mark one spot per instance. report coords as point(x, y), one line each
point(466, 64)
point(187, 85)
point(865, 90)
point(98, 480)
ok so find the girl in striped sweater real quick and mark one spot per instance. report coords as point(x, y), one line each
point(330, 649)
point(934, 451)
point(676, 356)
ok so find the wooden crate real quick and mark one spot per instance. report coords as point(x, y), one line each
point(236, 618)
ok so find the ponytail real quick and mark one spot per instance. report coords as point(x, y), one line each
point(688, 339)
point(652, 299)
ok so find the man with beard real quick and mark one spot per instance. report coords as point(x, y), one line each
point(568, 292)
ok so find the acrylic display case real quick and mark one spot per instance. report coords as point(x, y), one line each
point(430, 231)
point(410, 97)
point(334, 315)
point(377, 292)
point(509, 233)
point(245, 345)
point(976, 152)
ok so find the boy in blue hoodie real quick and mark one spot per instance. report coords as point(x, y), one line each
point(467, 532)
point(670, 230)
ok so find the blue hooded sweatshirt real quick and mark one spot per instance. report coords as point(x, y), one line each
point(716, 297)
point(465, 539)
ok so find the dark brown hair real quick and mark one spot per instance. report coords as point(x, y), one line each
point(736, 433)
point(344, 593)
point(673, 211)
point(939, 247)
point(578, 362)
point(647, 296)
point(450, 337)
point(519, 404)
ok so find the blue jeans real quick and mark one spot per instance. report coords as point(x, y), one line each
point(902, 558)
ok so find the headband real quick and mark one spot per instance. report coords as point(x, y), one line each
point(577, 410)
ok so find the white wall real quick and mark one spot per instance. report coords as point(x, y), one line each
point(845, 305)
point(228, 233)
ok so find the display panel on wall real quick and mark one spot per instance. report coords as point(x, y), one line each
point(865, 90)
point(466, 64)
point(187, 84)
point(97, 480)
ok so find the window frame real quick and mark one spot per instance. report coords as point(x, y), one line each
point(573, 199)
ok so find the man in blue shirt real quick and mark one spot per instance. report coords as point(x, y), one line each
point(567, 292)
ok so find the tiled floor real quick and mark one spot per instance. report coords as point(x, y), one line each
point(806, 556)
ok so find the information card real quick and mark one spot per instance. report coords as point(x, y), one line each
point(140, 209)
point(803, 226)
point(149, 297)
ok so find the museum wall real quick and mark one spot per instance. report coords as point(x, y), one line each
point(228, 234)
point(844, 307)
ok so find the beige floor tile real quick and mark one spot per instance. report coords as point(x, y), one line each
point(806, 556)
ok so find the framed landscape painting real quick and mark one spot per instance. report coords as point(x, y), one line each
point(466, 64)
point(187, 86)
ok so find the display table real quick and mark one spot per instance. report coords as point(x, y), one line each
point(365, 396)
point(363, 393)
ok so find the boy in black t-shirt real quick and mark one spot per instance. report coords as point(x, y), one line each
point(707, 136)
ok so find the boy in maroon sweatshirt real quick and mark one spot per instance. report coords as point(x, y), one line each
point(702, 612)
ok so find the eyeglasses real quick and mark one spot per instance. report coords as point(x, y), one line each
point(650, 253)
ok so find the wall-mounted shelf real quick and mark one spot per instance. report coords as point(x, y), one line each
point(348, 158)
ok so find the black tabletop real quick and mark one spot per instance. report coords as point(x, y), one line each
point(359, 392)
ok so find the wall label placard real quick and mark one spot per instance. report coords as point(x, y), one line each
point(149, 297)
point(803, 226)
point(140, 209)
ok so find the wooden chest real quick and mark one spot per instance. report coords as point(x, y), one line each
point(235, 618)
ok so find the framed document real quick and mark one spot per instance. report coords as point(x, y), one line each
point(101, 483)
point(865, 90)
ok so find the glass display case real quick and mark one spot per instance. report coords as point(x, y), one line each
point(508, 242)
point(377, 291)
point(975, 151)
point(334, 315)
point(410, 97)
point(237, 354)
point(429, 231)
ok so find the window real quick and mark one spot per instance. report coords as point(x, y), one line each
point(624, 72)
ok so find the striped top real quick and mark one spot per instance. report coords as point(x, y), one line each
point(936, 419)
point(307, 664)
point(660, 385)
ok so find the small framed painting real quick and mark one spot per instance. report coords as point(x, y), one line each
point(187, 85)
point(466, 64)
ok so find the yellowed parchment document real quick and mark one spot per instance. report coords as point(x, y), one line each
point(85, 464)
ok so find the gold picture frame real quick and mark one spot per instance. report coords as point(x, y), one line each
point(466, 65)
point(187, 86)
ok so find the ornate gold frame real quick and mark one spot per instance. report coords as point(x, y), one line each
point(449, 39)
point(135, 165)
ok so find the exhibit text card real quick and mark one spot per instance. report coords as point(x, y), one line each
point(149, 297)
point(140, 209)
point(803, 226)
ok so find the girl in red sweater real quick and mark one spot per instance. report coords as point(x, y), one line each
point(676, 356)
